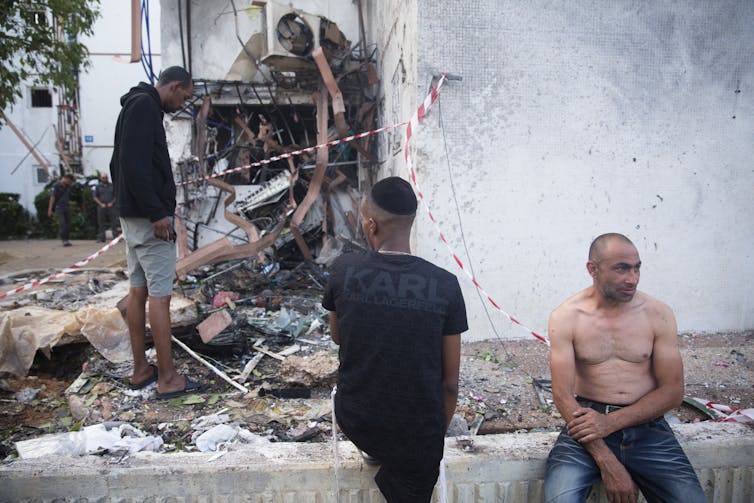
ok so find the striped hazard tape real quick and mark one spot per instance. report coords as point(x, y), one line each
point(307, 150)
point(418, 117)
point(412, 124)
point(73, 268)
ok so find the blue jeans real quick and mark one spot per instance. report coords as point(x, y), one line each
point(649, 452)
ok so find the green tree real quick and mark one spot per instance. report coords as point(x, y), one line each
point(39, 42)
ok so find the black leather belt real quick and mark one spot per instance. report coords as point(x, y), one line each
point(604, 408)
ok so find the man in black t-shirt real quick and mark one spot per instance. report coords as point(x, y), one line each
point(60, 206)
point(398, 320)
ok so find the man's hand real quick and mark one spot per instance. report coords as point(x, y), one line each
point(619, 485)
point(588, 425)
point(49, 213)
point(163, 229)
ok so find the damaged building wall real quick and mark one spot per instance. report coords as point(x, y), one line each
point(258, 69)
point(568, 122)
point(211, 36)
point(391, 27)
point(576, 119)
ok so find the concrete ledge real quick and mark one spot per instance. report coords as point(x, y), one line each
point(502, 468)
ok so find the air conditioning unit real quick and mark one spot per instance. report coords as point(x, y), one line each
point(291, 35)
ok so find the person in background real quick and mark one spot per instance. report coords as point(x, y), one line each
point(104, 196)
point(60, 206)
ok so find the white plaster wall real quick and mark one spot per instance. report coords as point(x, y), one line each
point(35, 122)
point(110, 76)
point(578, 118)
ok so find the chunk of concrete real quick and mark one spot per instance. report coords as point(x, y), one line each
point(318, 369)
point(213, 325)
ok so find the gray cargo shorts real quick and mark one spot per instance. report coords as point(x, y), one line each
point(151, 261)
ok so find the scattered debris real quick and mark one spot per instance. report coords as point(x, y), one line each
point(317, 369)
point(90, 439)
point(214, 324)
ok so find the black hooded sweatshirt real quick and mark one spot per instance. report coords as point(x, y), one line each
point(140, 167)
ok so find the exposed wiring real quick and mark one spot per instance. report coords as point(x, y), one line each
point(180, 31)
point(146, 57)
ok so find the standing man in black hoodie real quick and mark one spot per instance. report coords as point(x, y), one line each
point(145, 193)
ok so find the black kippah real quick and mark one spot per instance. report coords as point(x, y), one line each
point(394, 195)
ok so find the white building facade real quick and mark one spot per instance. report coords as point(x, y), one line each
point(571, 120)
point(100, 87)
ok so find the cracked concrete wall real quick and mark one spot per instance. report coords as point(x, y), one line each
point(575, 119)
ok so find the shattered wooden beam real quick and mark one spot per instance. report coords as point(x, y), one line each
point(26, 143)
point(181, 237)
point(245, 128)
point(338, 106)
point(247, 250)
point(202, 256)
point(250, 229)
point(315, 185)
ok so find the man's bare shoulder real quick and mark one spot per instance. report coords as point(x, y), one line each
point(574, 304)
point(652, 305)
point(658, 313)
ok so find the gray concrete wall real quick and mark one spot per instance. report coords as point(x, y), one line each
point(502, 468)
point(578, 118)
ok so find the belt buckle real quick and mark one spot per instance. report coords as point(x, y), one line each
point(612, 408)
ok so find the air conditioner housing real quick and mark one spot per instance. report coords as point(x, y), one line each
point(291, 36)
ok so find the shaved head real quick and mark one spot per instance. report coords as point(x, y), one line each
point(387, 214)
point(371, 209)
point(599, 245)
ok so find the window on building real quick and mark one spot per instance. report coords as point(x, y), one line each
point(38, 17)
point(43, 176)
point(41, 97)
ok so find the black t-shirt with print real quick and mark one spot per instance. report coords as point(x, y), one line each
point(62, 195)
point(393, 311)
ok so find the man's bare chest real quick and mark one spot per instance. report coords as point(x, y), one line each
point(600, 339)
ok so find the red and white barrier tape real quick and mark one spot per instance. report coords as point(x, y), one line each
point(730, 414)
point(306, 150)
point(412, 124)
point(74, 267)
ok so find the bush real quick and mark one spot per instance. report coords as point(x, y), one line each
point(15, 221)
point(83, 212)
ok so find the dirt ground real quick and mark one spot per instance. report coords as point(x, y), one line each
point(18, 257)
point(503, 385)
point(496, 385)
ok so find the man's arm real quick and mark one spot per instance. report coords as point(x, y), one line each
point(96, 198)
point(451, 364)
point(51, 204)
point(139, 127)
point(618, 483)
point(334, 327)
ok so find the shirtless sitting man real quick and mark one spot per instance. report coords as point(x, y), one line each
point(616, 350)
